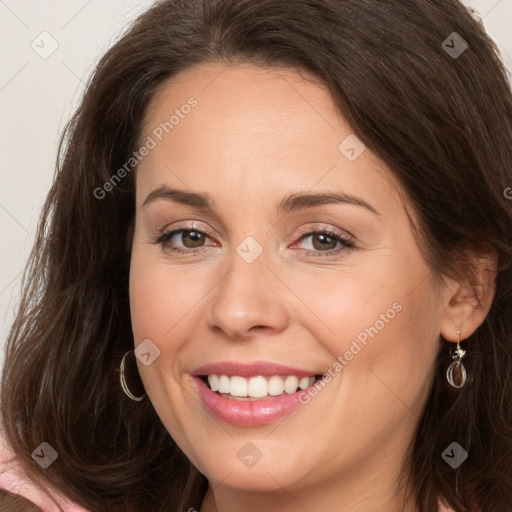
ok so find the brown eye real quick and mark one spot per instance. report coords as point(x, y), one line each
point(182, 240)
point(323, 242)
point(192, 239)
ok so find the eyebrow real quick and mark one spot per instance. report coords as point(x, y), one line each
point(290, 203)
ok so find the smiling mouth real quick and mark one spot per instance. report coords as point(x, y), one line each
point(235, 387)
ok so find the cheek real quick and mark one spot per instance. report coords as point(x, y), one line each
point(146, 296)
point(160, 297)
point(352, 304)
point(158, 312)
point(378, 323)
point(383, 338)
point(165, 306)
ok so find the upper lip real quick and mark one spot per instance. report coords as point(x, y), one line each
point(231, 368)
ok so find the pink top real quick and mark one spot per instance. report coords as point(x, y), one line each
point(14, 480)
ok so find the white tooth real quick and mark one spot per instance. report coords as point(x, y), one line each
point(304, 382)
point(291, 383)
point(224, 384)
point(238, 386)
point(275, 386)
point(257, 387)
point(213, 380)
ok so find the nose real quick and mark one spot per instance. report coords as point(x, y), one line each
point(249, 298)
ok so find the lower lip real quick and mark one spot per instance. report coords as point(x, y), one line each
point(247, 413)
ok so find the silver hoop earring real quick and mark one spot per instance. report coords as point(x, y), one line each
point(456, 371)
point(122, 378)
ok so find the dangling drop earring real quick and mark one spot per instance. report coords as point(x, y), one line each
point(456, 369)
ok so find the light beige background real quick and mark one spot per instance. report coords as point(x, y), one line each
point(37, 96)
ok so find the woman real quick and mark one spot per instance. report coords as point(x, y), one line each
point(291, 220)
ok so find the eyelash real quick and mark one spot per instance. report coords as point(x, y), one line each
point(346, 243)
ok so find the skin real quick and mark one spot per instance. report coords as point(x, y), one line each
point(256, 135)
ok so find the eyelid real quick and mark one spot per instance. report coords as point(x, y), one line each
point(190, 225)
point(328, 228)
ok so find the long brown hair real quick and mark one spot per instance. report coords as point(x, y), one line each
point(442, 122)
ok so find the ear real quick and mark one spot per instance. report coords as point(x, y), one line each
point(468, 302)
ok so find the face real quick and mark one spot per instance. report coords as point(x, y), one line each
point(266, 286)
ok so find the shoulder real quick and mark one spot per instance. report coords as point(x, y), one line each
point(14, 481)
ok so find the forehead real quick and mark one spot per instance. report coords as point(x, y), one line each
point(244, 85)
point(250, 127)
